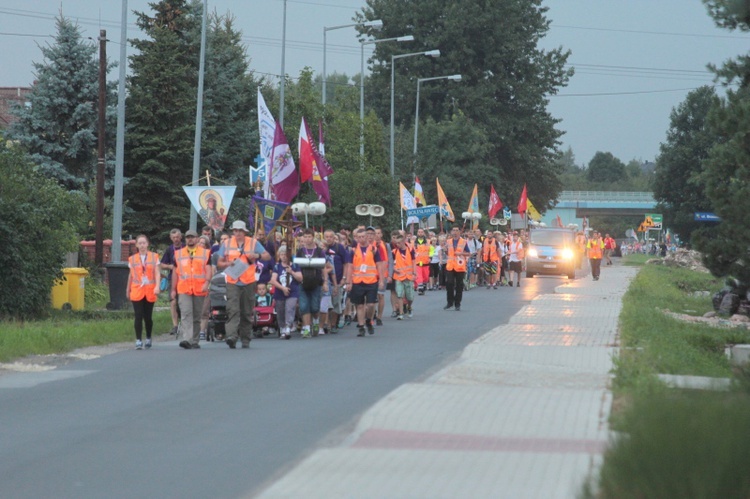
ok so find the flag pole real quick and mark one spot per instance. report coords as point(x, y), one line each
point(402, 218)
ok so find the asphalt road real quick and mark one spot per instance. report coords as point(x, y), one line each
point(217, 422)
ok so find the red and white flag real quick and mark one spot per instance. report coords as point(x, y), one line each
point(495, 203)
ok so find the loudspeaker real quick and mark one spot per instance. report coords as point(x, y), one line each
point(376, 210)
point(362, 209)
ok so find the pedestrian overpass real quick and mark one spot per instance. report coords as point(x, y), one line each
point(572, 206)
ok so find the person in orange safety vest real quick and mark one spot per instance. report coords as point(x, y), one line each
point(190, 280)
point(143, 288)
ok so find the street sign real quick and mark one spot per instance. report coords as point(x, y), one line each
point(423, 212)
point(653, 221)
point(701, 216)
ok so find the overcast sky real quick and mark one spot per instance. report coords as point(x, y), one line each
point(635, 60)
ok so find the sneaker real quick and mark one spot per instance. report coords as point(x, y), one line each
point(246, 345)
point(510, 283)
point(347, 320)
point(138, 344)
point(148, 343)
point(360, 330)
point(194, 346)
point(495, 286)
point(399, 317)
point(447, 307)
point(173, 332)
point(334, 330)
point(231, 343)
point(186, 345)
point(394, 314)
point(202, 336)
point(411, 313)
point(341, 322)
point(323, 331)
point(306, 333)
point(286, 336)
point(315, 329)
point(458, 308)
point(370, 329)
point(378, 321)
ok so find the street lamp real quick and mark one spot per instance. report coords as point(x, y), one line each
point(416, 114)
point(431, 53)
point(407, 38)
point(377, 24)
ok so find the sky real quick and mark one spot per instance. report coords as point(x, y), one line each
point(635, 60)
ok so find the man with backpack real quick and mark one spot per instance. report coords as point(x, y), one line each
point(314, 280)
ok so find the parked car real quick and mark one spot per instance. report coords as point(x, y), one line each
point(551, 251)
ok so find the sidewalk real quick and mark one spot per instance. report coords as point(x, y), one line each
point(521, 414)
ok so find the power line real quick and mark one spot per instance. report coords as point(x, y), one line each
point(643, 32)
point(625, 93)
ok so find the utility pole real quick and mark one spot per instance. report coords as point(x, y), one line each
point(102, 130)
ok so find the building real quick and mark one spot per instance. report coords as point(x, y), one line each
point(8, 97)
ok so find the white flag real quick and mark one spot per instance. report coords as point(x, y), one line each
point(267, 127)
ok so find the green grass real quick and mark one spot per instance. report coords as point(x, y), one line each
point(636, 259)
point(66, 331)
point(674, 443)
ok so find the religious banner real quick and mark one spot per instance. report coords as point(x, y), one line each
point(211, 203)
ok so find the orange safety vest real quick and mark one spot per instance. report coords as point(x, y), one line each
point(232, 252)
point(191, 271)
point(403, 266)
point(595, 249)
point(489, 252)
point(456, 263)
point(364, 269)
point(422, 252)
point(142, 277)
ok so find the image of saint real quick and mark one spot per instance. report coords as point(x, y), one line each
point(212, 209)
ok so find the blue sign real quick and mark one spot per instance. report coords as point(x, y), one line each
point(706, 217)
point(258, 173)
point(423, 212)
point(506, 213)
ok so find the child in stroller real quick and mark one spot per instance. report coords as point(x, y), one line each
point(264, 316)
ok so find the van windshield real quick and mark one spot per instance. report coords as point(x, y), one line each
point(551, 238)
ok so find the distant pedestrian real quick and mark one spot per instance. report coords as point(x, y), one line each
point(515, 260)
point(190, 282)
point(285, 279)
point(405, 272)
point(168, 263)
point(143, 288)
point(595, 250)
point(314, 280)
point(457, 256)
point(364, 274)
point(609, 246)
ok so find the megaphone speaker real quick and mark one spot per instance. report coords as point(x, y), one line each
point(376, 210)
point(362, 209)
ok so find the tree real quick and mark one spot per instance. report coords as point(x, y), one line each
point(507, 79)
point(605, 168)
point(59, 127)
point(48, 215)
point(677, 183)
point(726, 170)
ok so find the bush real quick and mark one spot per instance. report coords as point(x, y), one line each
point(37, 226)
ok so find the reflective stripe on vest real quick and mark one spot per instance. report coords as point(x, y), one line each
point(192, 271)
point(142, 284)
point(403, 266)
point(423, 252)
point(364, 270)
point(456, 263)
point(489, 252)
point(232, 252)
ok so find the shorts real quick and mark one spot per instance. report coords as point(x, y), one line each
point(336, 304)
point(490, 267)
point(309, 301)
point(389, 286)
point(325, 303)
point(515, 266)
point(363, 293)
point(405, 289)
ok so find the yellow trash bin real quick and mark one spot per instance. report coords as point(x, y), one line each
point(76, 286)
point(59, 294)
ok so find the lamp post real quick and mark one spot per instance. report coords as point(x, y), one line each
point(431, 53)
point(416, 113)
point(377, 24)
point(407, 38)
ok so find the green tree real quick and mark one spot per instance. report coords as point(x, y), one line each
point(605, 168)
point(47, 215)
point(727, 168)
point(677, 179)
point(507, 79)
point(59, 126)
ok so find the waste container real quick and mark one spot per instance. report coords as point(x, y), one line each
point(76, 278)
point(60, 294)
point(117, 275)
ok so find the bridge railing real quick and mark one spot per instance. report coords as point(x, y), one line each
point(606, 196)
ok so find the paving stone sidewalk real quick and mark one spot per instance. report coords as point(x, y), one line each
point(521, 414)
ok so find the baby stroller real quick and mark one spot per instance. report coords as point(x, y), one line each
point(264, 321)
point(217, 317)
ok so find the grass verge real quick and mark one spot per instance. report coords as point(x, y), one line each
point(674, 443)
point(66, 331)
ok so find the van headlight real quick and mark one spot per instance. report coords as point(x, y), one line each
point(533, 253)
point(567, 254)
